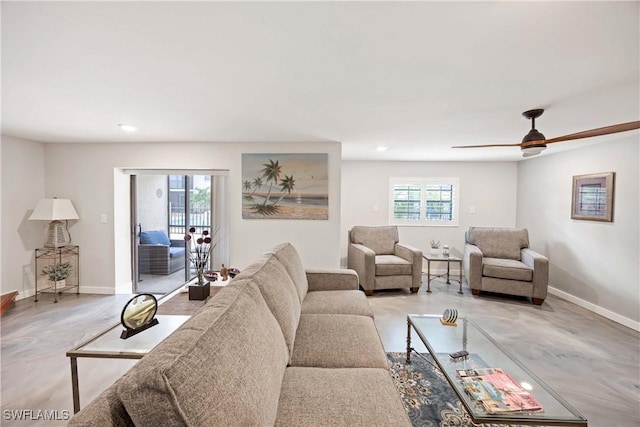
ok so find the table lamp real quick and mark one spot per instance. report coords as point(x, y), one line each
point(55, 211)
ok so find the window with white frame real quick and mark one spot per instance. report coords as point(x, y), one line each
point(424, 201)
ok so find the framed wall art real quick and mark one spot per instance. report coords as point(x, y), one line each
point(592, 197)
point(285, 186)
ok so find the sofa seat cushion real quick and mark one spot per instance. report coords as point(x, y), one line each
point(499, 242)
point(338, 341)
point(337, 302)
point(223, 366)
point(176, 252)
point(502, 268)
point(339, 397)
point(392, 265)
point(154, 237)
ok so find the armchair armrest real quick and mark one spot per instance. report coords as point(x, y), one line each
point(540, 265)
point(407, 252)
point(338, 279)
point(363, 260)
point(472, 265)
point(414, 256)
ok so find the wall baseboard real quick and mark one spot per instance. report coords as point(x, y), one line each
point(629, 323)
point(97, 290)
point(83, 290)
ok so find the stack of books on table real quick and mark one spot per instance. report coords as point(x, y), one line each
point(497, 391)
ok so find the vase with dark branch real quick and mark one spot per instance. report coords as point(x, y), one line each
point(199, 250)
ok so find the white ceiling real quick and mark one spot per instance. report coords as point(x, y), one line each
point(417, 77)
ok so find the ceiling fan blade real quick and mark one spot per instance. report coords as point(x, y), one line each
point(622, 127)
point(487, 145)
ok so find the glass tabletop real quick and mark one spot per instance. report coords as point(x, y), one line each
point(109, 344)
point(442, 340)
point(454, 255)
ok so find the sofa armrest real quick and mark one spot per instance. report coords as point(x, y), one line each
point(472, 265)
point(363, 260)
point(338, 279)
point(414, 256)
point(106, 410)
point(540, 265)
point(155, 251)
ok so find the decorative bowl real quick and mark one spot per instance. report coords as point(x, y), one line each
point(211, 275)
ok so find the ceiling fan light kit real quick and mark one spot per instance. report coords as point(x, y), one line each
point(535, 142)
point(532, 150)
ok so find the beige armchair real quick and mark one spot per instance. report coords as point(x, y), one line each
point(499, 260)
point(381, 262)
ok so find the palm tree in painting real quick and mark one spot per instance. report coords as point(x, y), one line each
point(286, 184)
point(246, 186)
point(271, 172)
point(257, 183)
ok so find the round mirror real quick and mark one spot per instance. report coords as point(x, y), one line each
point(139, 311)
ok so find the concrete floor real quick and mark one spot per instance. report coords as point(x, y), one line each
point(593, 363)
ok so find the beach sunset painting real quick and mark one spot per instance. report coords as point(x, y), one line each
point(285, 186)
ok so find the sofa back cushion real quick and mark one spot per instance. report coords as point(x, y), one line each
point(499, 242)
point(382, 240)
point(278, 291)
point(290, 259)
point(222, 367)
point(154, 237)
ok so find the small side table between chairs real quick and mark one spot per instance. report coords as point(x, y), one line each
point(442, 258)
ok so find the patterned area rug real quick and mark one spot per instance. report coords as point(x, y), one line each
point(427, 396)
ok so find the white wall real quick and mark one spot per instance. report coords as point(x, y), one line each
point(93, 179)
point(595, 264)
point(23, 167)
point(152, 210)
point(489, 187)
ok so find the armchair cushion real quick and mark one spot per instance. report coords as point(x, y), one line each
point(154, 237)
point(382, 240)
point(499, 242)
point(502, 268)
point(391, 265)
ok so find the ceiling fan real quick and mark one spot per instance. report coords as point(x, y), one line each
point(534, 142)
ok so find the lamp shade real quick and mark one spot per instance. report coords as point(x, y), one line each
point(54, 209)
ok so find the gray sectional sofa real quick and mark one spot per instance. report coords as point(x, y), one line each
point(278, 346)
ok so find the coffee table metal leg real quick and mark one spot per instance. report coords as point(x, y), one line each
point(74, 384)
point(428, 276)
point(460, 278)
point(408, 341)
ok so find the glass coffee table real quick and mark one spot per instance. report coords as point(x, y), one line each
point(442, 340)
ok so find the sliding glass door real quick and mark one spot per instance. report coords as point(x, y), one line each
point(164, 208)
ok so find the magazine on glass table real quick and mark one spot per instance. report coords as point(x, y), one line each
point(497, 391)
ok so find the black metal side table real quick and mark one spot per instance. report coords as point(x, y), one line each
point(50, 258)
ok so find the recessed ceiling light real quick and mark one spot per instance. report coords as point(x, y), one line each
point(127, 128)
point(382, 148)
